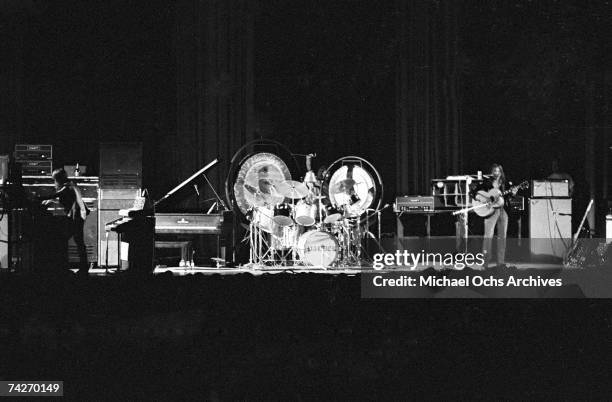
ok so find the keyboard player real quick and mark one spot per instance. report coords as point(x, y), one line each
point(76, 213)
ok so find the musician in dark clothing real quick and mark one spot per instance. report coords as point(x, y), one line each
point(499, 218)
point(76, 211)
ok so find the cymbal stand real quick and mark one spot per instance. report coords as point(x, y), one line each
point(293, 248)
point(260, 248)
point(351, 244)
point(368, 233)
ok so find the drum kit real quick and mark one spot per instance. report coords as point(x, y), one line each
point(317, 222)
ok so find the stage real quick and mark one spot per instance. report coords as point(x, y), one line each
point(262, 335)
point(300, 269)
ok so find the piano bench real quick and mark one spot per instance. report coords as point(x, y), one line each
point(185, 246)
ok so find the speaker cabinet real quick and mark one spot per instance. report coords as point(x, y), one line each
point(120, 182)
point(4, 238)
point(121, 165)
point(4, 169)
point(550, 188)
point(107, 251)
point(550, 226)
point(90, 232)
point(16, 233)
point(111, 201)
point(117, 199)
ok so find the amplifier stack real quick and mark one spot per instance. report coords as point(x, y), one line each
point(35, 160)
point(120, 182)
point(414, 204)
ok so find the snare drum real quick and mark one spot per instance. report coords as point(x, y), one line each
point(318, 248)
point(305, 213)
point(282, 215)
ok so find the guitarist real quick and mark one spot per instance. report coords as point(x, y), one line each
point(499, 218)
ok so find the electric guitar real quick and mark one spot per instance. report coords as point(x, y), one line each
point(486, 202)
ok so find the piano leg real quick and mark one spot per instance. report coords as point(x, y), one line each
point(118, 252)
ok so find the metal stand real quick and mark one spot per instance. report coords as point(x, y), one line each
point(369, 234)
point(260, 252)
point(466, 214)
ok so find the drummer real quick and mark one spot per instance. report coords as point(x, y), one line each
point(314, 186)
point(311, 181)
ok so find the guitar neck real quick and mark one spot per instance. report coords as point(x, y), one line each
point(511, 189)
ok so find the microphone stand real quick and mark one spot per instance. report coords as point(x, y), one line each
point(220, 202)
point(378, 213)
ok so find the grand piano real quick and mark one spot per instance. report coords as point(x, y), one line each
point(180, 229)
point(189, 223)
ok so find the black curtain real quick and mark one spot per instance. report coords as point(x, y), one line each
point(428, 102)
point(214, 87)
point(11, 78)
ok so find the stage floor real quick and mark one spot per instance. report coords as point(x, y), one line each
point(298, 269)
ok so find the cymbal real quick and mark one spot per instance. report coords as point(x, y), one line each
point(343, 185)
point(292, 189)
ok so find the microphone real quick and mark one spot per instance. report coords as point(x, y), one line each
point(195, 187)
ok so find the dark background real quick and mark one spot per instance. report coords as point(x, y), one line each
point(533, 77)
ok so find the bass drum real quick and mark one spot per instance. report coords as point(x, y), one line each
point(319, 249)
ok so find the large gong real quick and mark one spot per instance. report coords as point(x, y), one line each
point(257, 180)
point(353, 184)
point(254, 167)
